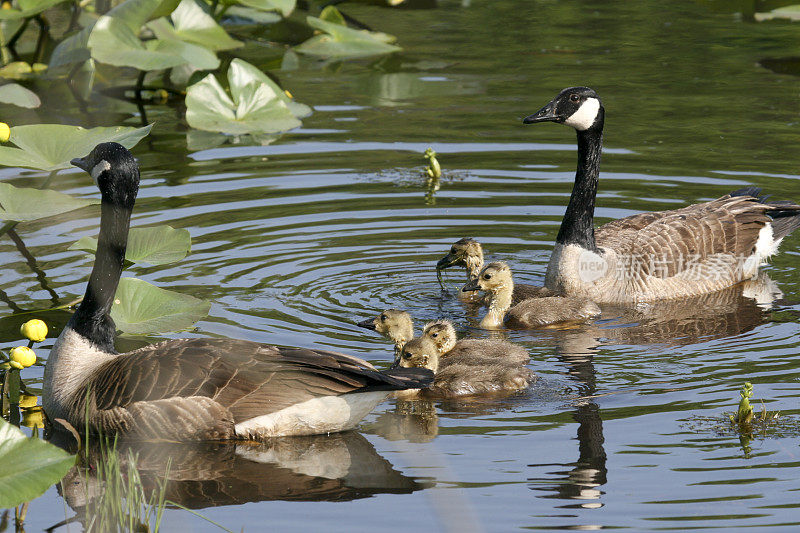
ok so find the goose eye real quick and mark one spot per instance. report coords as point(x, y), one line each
point(574, 97)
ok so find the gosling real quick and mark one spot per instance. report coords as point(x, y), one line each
point(443, 334)
point(496, 279)
point(461, 376)
point(394, 324)
point(468, 253)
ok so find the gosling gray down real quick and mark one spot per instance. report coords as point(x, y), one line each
point(468, 253)
point(191, 389)
point(684, 252)
point(496, 279)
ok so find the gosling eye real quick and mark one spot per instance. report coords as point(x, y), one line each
point(434, 335)
point(406, 355)
point(574, 97)
point(487, 276)
point(383, 318)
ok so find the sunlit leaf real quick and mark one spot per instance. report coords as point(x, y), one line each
point(158, 245)
point(285, 7)
point(16, 94)
point(20, 70)
point(24, 204)
point(52, 146)
point(263, 17)
point(331, 14)
point(30, 466)
point(141, 308)
point(256, 104)
point(113, 42)
point(339, 41)
point(27, 8)
point(190, 23)
point(787, 12)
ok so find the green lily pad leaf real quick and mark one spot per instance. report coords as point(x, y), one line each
point(262, 17)
point(284, 7)
point(51, 146)
point(256, 104)
point(16, 94)
point(27, 8)
point(787, 12)
point(114, 43)
point(141, 308)
point(191, 24)
point(339, 41)
point(24, 204)
point(331, 14)
point(30, 466)
point(158, 245)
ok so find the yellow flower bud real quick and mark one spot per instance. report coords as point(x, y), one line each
point(33, 417)
point(7, 5)
point(35, 330)
point(5, 132)
point(27, 401)
point(22, 357)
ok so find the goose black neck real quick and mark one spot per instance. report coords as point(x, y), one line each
point(578, 224)
point(92, 319)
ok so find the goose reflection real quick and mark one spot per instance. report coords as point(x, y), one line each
point(726, 313)
point(336, 467)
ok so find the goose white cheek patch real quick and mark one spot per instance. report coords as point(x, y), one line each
point(584, 117)
point(99, 168)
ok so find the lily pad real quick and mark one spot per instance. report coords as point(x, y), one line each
point(30, 466)
point(16, 94)
point(337, 41)
point(284, 7)
point(158, 245)
point(24, 204)
point(27, 8)
point(255, 15)
point(256, 104)
point(787, 12)
point(52, 146)
point(113, 42)
point(191, 24)
point(142, 309)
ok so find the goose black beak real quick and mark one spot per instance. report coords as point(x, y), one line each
point(81, 163)
point(471, 286)
point(445, 262)
point(368, 324)
point(545, 114)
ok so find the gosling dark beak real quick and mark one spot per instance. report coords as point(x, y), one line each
point(445, 262)
point(545, 114)
point(471, 286)
point(368, 324)
point(81, 163)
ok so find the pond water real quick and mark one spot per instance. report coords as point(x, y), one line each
point(296, 241)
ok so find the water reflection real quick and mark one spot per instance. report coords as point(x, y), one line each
point(336, 467)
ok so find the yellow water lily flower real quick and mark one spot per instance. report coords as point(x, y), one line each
point(22, 357)
point(35, 330)
point(33, 417)
point(27, 401)
point(5, 132)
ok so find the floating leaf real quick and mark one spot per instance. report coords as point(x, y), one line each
point(30, 466)
point(27, 8)
point(263, 17)
point(52, 146)
point(141, 308)
point(787, 12)
point(113, 42)
point(191, 24)
point(16, 94)
point(24, 204)
point(340, 41)
point(285, 7)
point(20, 70)
point(158, 245)
point(256, 104)
point(331, 14)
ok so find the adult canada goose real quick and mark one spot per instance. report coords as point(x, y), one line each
point(443, 334)
point(395, 324)
point(468, 253)
point(496, 279)
point(459, 376)
point(650, 256)
point(192, 389)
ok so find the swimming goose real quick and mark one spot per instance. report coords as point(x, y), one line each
point(192, 389)
point(395, 324)
point(496, 279)
point(443, 334)
point(468, 252)
point(459, 376)
point(650, 256)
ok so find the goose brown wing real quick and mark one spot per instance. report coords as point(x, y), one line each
point(666, 243)
point(248, 378)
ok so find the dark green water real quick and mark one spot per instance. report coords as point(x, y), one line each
point(295, 241)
